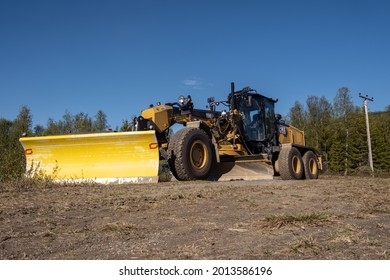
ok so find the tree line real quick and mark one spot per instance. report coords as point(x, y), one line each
point(337, 130)
point(79, 123)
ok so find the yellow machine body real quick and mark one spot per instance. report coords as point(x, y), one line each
point(117, 157)
point(291, 135)
point(160, 115)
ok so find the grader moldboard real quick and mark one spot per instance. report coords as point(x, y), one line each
point(244, 141)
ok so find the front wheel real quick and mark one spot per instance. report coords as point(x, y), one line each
point(190, 154)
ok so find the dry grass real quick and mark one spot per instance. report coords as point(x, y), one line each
point(284, 220)
point(330, 218)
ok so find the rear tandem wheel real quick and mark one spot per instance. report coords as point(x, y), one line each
point(310, 163)
point(290, 164)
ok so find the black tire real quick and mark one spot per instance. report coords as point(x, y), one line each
point(290, 164)
point(310, 163)
point(190, 155)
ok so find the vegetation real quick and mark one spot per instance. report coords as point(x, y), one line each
point(283, 220)
point(12, 163)
point(336, 130)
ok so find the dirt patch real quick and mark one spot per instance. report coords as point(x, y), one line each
point(329, 218)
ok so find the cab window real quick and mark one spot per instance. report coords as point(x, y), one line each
point(253, 124)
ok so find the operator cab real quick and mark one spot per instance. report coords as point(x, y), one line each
point(258, 121)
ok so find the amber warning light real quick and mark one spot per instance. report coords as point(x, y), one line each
point(153, 145)
point(28, 151)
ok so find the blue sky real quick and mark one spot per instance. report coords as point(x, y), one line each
point(120, 56)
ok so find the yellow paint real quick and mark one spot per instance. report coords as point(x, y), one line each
point(292, 135)
point(111, 157)
point(161, 116)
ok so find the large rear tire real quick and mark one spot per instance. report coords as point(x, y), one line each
point(190, 154)
point(290, 164)
point(310, 163)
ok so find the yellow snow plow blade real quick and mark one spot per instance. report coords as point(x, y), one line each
point(117, 157)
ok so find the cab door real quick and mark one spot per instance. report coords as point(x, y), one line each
point(253, 120)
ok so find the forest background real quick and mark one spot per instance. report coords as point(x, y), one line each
point(337, 130)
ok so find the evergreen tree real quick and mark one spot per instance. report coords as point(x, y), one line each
point(67, 125)
point(12, 159)
point(23, 123)
point(298, 116)
point(336, 157)
point(380, 142)
point(126, 126)
point(6, 155)
point(82, 123)
point(357, 142)
point(5, 132)
point(53, 127)
point(39, 130)
point(100, 123)
point(343, 107)
point(319, 114)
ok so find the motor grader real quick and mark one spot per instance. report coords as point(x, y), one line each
point(244, 140)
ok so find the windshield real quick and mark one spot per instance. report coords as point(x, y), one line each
point(253, 123)
point(258, 119)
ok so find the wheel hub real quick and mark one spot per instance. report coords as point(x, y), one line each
point(198, 155)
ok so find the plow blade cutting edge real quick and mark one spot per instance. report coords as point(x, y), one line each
point(117, 157)
point(248, 170)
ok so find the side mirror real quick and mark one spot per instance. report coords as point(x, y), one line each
point(278, 117)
